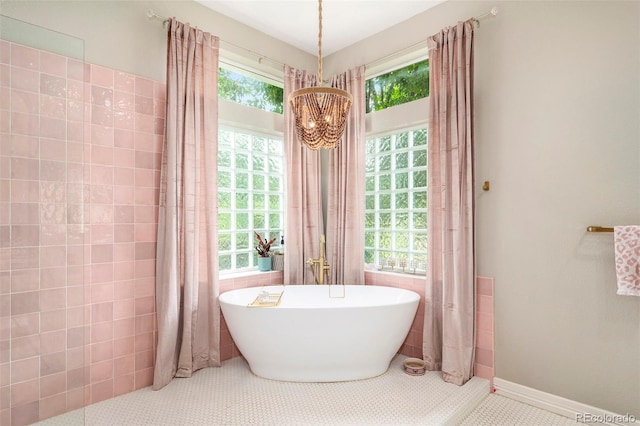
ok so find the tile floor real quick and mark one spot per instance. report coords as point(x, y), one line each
point(232, 395)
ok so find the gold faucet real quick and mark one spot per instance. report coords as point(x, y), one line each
point(323, 266)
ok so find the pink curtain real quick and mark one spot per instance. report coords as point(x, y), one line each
point(449, 297)
point(187, 270)
point(304, 223)
point(345, 204)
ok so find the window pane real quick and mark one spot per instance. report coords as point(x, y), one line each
point(259, 144)
point(224, 158)
point(370, 165)
point(397, 87)
point(385, 201)
point(394, 210)
point(402, 140)
point(419, 158)
point(224, 221)
point(241, 141)
point(402, 160)
point(420, 242)
point(224, 179)
point(242, 241)
point(385, 220)
point(274, 183)
point(369, 220)
point(402, 241)
point(258, 201)
point(402, 180)
point(369, 239)
point(258, 220)
point(275, 221)
point(251, 196)
point(224, 262)
point(385, 162)
point(402, 200)
point(224, 200)
point(242, 200)
point(385, 182)
point(385, 144)
point(420, 137)
point(247, 90)
point(370, 183)
point(242, 220)
point(225, 138)
point(275, 165)
point(369, 256)
point(242, 181)
point(371, 146)
point(420, 220)
point(258, 163)
point(275, 147)
point(402, 220)
point(242, 260)
point(224, 241)
point(385, 240)
point(370, 202)
point(274, 202)
point(258, 182)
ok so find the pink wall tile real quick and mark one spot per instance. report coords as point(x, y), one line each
point(25, 392)
point(102, 76)
point(123, 384)
point(485, 343)
point(84, 149)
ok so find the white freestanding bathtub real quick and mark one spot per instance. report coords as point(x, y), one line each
point(312, 337)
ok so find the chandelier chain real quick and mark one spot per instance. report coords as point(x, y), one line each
point(319, 82)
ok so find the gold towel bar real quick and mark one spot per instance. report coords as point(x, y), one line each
point(599, 229)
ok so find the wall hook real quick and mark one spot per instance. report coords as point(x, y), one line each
point(486, 185)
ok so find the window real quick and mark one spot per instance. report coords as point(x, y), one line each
point(398, 87)
point(250, 91)
point(250, 195)
point(396, 200)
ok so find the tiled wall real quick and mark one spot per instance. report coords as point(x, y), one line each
point(79, 174)
point(484, 366)
point(228, 348)
point(412, 346)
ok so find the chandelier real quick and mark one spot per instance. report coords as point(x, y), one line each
point(321, 112)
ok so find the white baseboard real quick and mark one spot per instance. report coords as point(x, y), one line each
point(581, 413)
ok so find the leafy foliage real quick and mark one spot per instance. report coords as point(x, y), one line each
point(249, 91)
point(398, 87)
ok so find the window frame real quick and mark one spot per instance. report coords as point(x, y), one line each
point(396, 119)
point(236, 117)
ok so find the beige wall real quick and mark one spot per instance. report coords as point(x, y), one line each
point(119, 35)
point(557, 133)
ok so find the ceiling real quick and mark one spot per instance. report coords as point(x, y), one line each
point(344, 22)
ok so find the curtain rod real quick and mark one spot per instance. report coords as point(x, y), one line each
point(490, 14)
point(153, 15)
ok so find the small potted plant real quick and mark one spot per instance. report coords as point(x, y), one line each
point(264, 252)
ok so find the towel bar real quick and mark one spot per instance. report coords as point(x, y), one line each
point(599, 229)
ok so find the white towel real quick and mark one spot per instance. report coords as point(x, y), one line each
point(627, 255)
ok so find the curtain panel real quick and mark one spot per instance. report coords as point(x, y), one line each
point(304, 220)
point(448, 343)
point(345, 194)
point(187, 284)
